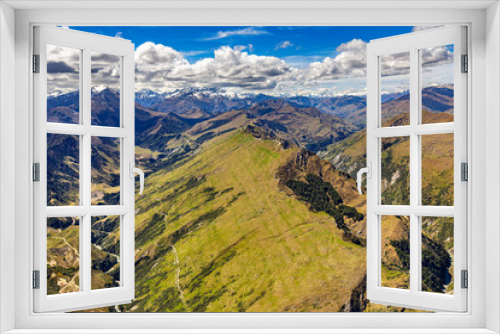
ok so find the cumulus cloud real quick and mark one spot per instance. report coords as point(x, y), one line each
point(105, 70)
point(395, 64)
point(248, 47)
point(63, 70)
point(283, 45)
point(436, 56)
point(240, 32)
point(63, 67)
point(166, 68)
point(236, 69)
point(350, 61)
point(399, 64)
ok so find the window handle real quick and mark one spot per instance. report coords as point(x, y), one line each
point(139, 171)
point(359, 178)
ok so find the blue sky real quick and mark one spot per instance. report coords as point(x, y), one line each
point(311, 43)
point(272, 60)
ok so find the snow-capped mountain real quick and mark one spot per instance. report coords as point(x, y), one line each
point(147, 97)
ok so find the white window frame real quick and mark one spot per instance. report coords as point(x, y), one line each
point(484, 46)
point(87, 43)
point(413, 43)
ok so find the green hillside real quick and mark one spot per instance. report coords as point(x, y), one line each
point(218, 234)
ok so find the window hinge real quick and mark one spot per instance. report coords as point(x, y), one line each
point(36, 63)
point(36, 279)
point(465, 279)
point(464, 172)
point(36, 172)
point(465, 64)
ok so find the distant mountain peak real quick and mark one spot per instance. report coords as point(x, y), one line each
point(104, 90)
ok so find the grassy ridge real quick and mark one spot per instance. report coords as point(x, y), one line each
point(239, 247)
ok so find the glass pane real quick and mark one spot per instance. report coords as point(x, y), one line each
point(394, 89)
point(105, 89)
point(437, 170)
point(437, 254)
point(437, 84)
point(63, 84)
point(105, 171)
point(395, 167)
point(105, 238)
point(63, 171)
point(395, 252)
point(63, 255)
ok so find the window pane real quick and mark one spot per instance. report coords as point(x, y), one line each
point(63, 84)
point(105, 89)
point(395, 167)
point(395, 252)
point(437, 254)
point(394, 89)
point(437, 84)
point(437, 170)
point(63, 171)
point(105, 238)
point(105, 171)
point(63, 255)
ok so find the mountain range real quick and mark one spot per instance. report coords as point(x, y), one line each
point(202, 102)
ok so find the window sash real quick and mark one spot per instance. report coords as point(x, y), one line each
point(86, 298)
point(414, 297)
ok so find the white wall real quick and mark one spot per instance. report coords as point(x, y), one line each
point(7, 160)
point(492, 164)
point(306, 17)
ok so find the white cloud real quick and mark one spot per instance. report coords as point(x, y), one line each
point(350, 61)
point(436, 56)
point(395, 64)
point(165, 68)
point(240, 32)
point(158, 56)
point(283, 45)
point(162, 68)
point(63, 69)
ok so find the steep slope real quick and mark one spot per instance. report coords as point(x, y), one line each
point(438, 99)
point(306, 127)
point(63, 108)
point(155, 130)
point(219, 233)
